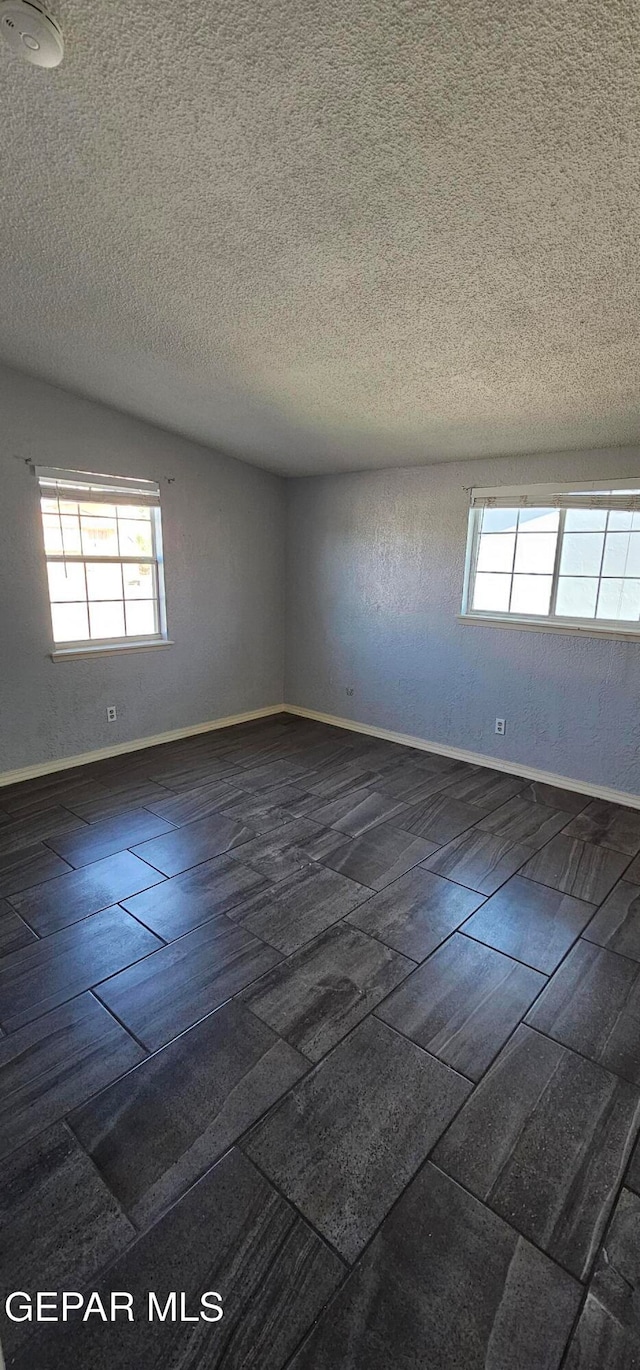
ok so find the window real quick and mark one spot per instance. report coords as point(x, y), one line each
point(555, 556)
point(103, 548)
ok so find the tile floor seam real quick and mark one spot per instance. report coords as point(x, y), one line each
point(286, 956)
point(574, 1051)
point(535, 880)
point(152, 1050)
point(122, 1025)
point(518, 959)
point(291, 1203)
point(66, 1125)
point(611, 951)
point(584, 1284)
point(587, 1283)
point(350, 1268)
point(521, 1021)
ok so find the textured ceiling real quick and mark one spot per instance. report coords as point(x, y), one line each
point(331, 235)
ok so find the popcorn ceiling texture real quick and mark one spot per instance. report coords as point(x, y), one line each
point(335, 235)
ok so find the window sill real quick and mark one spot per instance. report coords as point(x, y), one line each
point(534, 625)
point(110, 649)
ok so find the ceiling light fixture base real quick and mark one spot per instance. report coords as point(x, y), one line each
point(31, 32)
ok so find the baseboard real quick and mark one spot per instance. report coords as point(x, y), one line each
point(84, 758)
point(565, 782)
point(404, 739)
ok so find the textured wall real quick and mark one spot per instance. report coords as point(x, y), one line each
point(375, 565)
point(223, 528)
point(375, 569)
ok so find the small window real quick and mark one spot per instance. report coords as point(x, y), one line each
point(552, 555)
point(103, 549)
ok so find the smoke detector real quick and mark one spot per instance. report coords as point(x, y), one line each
point(31, 32)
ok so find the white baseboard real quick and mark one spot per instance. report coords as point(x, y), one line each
point(83, 758)
point(565, 782)
point(404, 740)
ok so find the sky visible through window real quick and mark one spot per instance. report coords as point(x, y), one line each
point(101, 569)
point(563, 563)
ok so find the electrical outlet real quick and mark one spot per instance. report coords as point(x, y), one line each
point(349, 689)
point(501, 726)
point(112, 714)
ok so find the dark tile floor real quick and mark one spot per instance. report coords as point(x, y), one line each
point(346, 1031)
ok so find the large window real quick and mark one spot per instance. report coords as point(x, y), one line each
point(103, 548)
point(557, 556)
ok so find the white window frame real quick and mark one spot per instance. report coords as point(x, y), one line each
point(55, 482)
point(583, 494)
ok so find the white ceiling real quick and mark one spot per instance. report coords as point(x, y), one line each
point(332, 235)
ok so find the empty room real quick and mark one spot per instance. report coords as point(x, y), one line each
point(320, 685)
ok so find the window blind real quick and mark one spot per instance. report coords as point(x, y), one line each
point(96, 489)
point(629, 501)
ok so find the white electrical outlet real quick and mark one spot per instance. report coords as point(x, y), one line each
point(501, 726)
point(112, 714)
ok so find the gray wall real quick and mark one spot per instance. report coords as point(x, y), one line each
point(223, 527)
point(374, 578)
point(375, 570)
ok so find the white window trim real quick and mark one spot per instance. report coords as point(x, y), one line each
point(95, 487)
point(100, 648)
point(543, 496)
point(570, 627)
